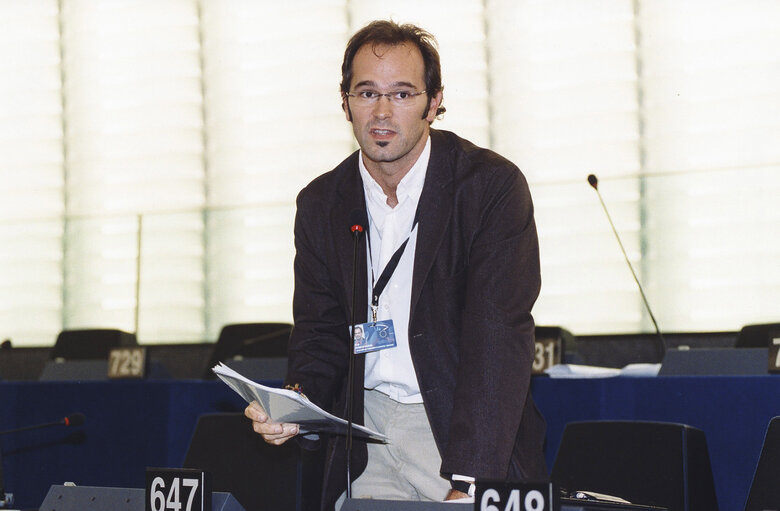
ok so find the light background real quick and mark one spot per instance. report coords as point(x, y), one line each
point(151, 151)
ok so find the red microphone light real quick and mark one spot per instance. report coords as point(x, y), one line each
point(74, 419)
point(357, 222)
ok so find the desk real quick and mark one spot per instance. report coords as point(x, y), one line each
point(130, 425)
point(134, 424)
point(395, 505)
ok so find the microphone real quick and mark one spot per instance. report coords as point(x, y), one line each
point(357, 226)
point(661, 345)
point(74, 419)
point(357, 221)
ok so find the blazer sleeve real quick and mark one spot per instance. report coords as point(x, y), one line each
point(318, 349)
point(497, 329)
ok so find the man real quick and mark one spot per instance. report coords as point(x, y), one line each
point(453, 393)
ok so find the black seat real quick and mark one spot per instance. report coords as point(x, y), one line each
point(765, 488)
point(90, 344)
point(758, 335)
point(249, 340)
point(650, 463)
point(260, 476)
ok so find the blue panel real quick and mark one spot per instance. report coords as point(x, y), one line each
point(733, 412)
point(130, 425)
point(134, 424)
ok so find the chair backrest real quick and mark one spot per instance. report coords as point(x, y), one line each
point(765, 488)
point(249, 340)
point(90, 344)
point(259, 475)
point(758, 335)
point(650, 463)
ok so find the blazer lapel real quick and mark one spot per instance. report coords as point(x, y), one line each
point(435, 208)
point(349, 197)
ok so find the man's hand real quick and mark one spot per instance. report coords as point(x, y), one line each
point(272, 432)
point(455, 494)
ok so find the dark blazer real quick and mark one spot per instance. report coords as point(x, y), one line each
point(471, 333)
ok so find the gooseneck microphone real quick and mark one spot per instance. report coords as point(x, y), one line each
point(661, 345)
point(74, 419)
point(357, 226)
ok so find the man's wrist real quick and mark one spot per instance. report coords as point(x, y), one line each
point(463, 484)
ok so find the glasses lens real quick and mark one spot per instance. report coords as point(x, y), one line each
point(398, 98)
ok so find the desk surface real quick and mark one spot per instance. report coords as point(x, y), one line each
point(395, 505)
point(134, 424)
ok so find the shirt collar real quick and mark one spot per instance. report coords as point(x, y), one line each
point(410, 186)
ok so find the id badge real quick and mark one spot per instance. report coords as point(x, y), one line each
point(374, 336)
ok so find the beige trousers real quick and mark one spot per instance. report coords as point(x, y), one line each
point(407, 467)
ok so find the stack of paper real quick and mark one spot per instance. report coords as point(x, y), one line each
point(283, 405)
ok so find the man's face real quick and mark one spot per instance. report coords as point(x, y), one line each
point(391, 136)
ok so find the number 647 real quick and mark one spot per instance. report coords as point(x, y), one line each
point(172, 502)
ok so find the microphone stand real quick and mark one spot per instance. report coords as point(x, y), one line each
point(357, 230)
point(74, 419)
point(661, 345)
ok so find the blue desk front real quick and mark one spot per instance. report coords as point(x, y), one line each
point(132, 424)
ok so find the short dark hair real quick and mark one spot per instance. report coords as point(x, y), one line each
point(389, 33)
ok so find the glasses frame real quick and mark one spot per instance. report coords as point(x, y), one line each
point(388, 95)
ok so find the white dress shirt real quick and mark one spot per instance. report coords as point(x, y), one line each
point(391, 370)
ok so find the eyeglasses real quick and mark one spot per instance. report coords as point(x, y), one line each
point(397, 98)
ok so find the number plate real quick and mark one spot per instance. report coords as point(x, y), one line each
point(127, 363)
point(774, 355)
point(547, 354)
point(179, 489)
point(502, 496)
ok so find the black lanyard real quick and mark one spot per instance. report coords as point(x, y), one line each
point(390, 268)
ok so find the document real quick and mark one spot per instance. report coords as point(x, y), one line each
point(284, 405)
point(582, 371)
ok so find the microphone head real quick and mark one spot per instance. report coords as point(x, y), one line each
point(593, 180)
point(357, 221)
point(74, 419)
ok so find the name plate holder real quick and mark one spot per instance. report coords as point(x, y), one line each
point(489, 496)
point(177, 489)
point(130, 362)
point(553, 345)
point(547, 353)
point(774, 355)
point(504, 496)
